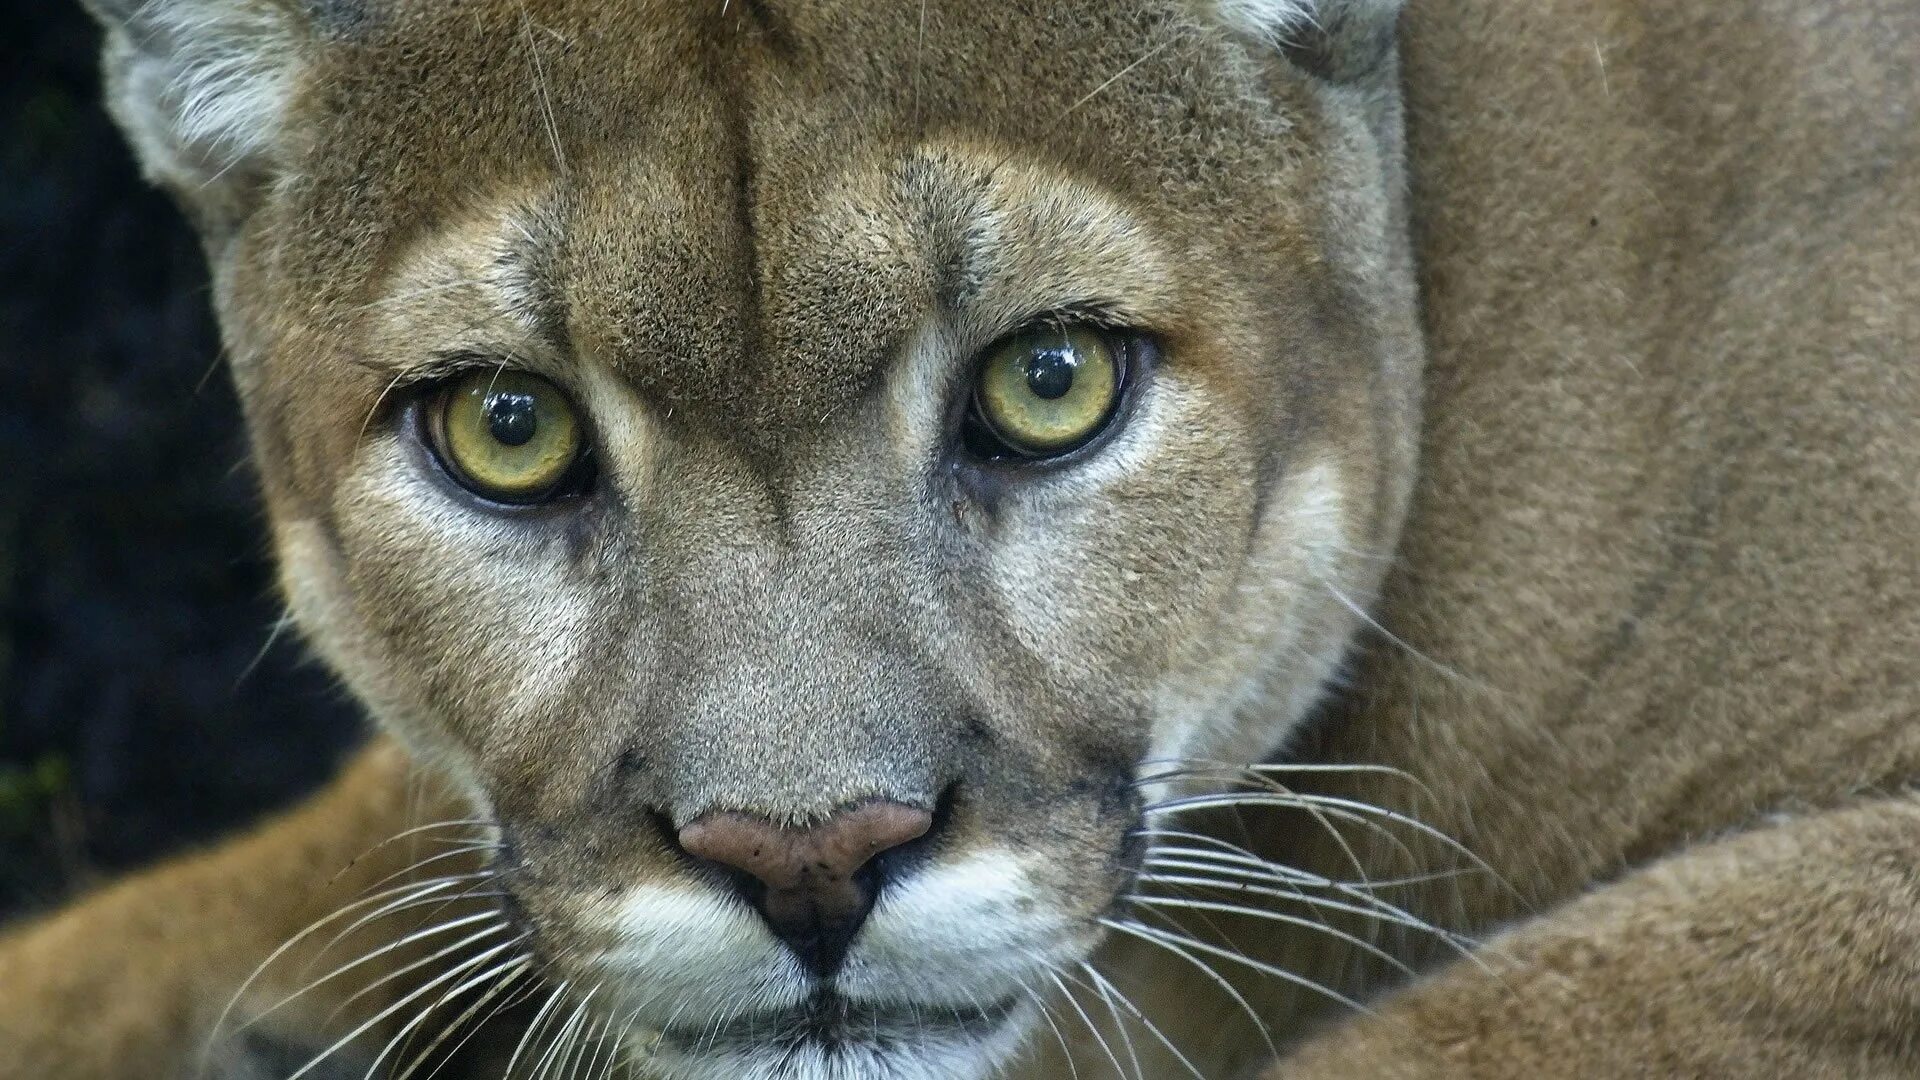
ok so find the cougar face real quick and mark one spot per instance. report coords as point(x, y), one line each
point(804, 468)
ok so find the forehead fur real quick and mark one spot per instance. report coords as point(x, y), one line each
point(748, 208)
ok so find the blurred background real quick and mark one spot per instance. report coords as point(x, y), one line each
point(141, 706)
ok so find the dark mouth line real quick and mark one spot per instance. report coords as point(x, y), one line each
point(829, 1020)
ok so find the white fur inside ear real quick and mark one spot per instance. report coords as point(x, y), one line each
point(1292, 22)
point(200, 85)
point(1275, 21)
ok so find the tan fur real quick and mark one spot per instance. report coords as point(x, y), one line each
point(1652, 620)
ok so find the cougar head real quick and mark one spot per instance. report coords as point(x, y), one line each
point(803, 468)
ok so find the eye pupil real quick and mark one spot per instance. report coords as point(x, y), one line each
point(1050, 372)
point(512, 418)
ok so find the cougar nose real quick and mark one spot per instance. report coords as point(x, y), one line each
point(806, 882)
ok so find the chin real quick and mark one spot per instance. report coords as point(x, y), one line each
point(833, 1039)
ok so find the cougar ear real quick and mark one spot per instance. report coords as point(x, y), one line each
point(199, 87)
point(1339, 40)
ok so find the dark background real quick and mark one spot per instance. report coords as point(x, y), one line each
point(140, 709)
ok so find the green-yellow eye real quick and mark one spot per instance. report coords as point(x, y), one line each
point(1049, 388)
point(507, 435)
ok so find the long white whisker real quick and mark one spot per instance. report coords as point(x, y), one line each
point(566, 1068)
point(406, 1031)
point(540, 84)
point(437, 893)
point(218, 1031)
point(499, 927)
point(1161, 937)
point(1243, 881)
point(452, 973)
point(431, 826)
point(429, 860)
point(553, 999)
point(1046, 1014)
point(1315, 806)
point(509, 973)
point(1180, 768)
point(1119, 1023)
point(1293, 879)
point(1152, 1028)
point(1451, 673)
point(564, 1037)
point(1348, 807)
point(1092, 1028)
point(590, 1068)
point(1259, 1025)
point(1121, 74)
point(1291, 876)
point(1276, 916)
point(364, 958)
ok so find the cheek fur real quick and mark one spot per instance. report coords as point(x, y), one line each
point(483, 615)
point(1274, 642)
point(1104, 572)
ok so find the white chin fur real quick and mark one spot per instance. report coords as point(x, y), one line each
point(943, 1057)
point(966, 935)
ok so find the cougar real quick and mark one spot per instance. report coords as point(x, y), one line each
point(1142, 538)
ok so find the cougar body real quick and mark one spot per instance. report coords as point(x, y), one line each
point(1490, 599)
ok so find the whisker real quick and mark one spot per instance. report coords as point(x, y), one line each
point(451, 974)
point(441, 954)
point(1378, 910)
point(465, 848)
point(1376, 907)
point(365, 958)
point(404, 903)
point(1276, 916)
point(540, 84)
point(590, 1064)
point(1353, 809)
point(563, 1038)
point(509, 973)
point(431, 826)
point(559, 991)
point(280, 626)
point(1259, 1025)
point(1248, 864)
point(1046, 1014)
point(567, 1066)
point(1320, 815)
point(1182, 767)
point(919, 57)
point(1325, 808)
point(1092, 1028)
point(1152, 1028)
point(217, 1032)
point(1298, 878)
point(1451, 673)
point(1119, 1025)
point(1295, 882)
point(408, 1030)
point(1160, 937)
point(1121, 74)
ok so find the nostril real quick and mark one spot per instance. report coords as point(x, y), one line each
point(783, 857)
point(808, 882)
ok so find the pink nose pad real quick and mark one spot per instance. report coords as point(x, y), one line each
point(809, 894)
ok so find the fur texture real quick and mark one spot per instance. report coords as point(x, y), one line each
point(1647, 615)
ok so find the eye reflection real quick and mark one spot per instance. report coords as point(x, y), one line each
point(507, 436)
point(1048, 389)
